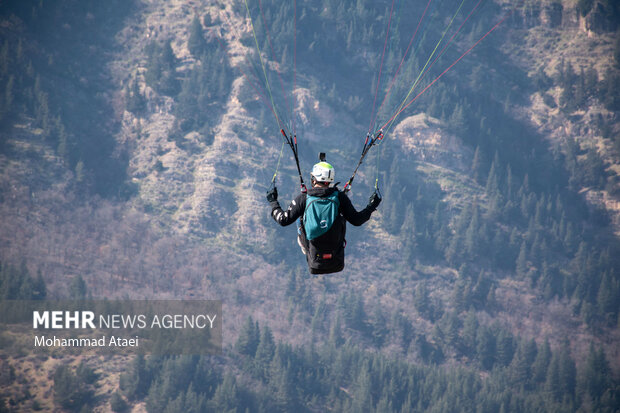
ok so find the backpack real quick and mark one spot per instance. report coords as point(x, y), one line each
point(320, 214)
point(324, 249)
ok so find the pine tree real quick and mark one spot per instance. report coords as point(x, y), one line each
point(460, 295)
point(117, 403)
point(595, 377)
point(451, 326)
point(581, 93)
point(476, 165)
point(39, 290)
point(362, 399)
point(609, 90)
point(552, 381)
point(248, 339)
point(485, 347)
point(161, 68)
point(77, 288)
point(567, 371)
point(70, 392)
point(421, 300)
point(584, 7)
point(408, 236)
point(352, 306)
point(492, 185)
point(458, 121)
point(135, 382)
point(265, 350)
point(378, 326)
point(335, 333)
point(607, 298)
point(471, 241)
point(136, 102)
point(470, 329)
point(454, 251)
point(196, 44)
point(226, 397)
point(281, 380)
point(539, 368)
point(520, 369)
point(541, 80)
point(505, 348)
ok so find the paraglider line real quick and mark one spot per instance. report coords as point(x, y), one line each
point(401, 62)
point(273, 53)
point(387, 33)
point(445, 71)
point(260, 56)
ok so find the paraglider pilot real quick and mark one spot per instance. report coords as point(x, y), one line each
point(323, 214)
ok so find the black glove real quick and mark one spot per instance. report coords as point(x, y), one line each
point(374, 201)
point(272, 194)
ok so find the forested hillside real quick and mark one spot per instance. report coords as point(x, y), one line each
point(138, 139)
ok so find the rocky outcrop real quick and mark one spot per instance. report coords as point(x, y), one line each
point(600, 20)
point(426, 139)
point(535, 13)
point(551, 15)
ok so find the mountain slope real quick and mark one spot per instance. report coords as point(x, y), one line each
point(497, 229)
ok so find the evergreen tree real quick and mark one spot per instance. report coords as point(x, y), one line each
point(476, 165)
point(521, 366)
point(77, 288)
point(352, 307)
point(265, 350)
point(539, 368)
point(609, 90)
point(461, 295)
point(196, 44)
point(39, 288)
point(521, 264)
point(567, 372)
point(226, 397)
point(135, 382)
point(595, 378)
point(492, 185)
point(249, 338)
point(552, 381)
point(471, 241)
point(335, 333)
point(505, 348)
point(161, 68)
point(458, 120)
point(584, 7)
point(541, 80)
point(608, 298)
point(470, 331)
point(378, 326)
point(362, 396)
point(117, 403)
point(408, 236)
point(136, 102)
point(70, 392)
point(421, 301)
point(485, 347)
point(281, 381)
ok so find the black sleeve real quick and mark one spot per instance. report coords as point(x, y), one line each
point(347, 209)
point(294, 211)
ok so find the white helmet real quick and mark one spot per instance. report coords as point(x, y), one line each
point(323, 172)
